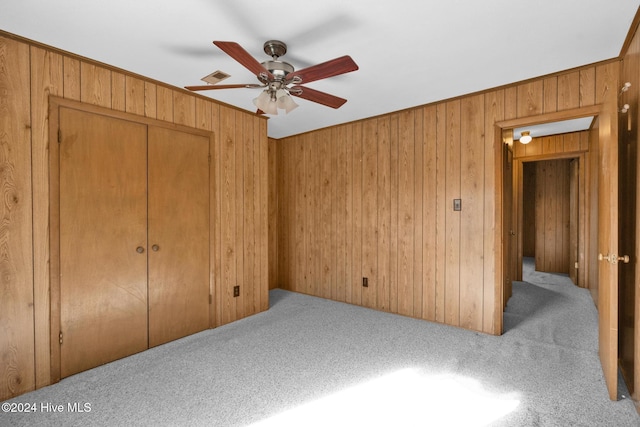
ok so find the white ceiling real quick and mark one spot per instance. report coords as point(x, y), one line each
point(410, 52)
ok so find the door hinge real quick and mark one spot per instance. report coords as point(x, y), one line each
point(59, 136)
point(209, 158)
point(210, 299)
point(60, 337)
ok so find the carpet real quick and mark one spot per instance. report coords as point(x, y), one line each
point(313, 362)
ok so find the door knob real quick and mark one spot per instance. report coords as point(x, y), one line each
point(614, 258)
point(140, 249)
point(155, 248)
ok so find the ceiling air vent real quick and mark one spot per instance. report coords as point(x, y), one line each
point(215, 77)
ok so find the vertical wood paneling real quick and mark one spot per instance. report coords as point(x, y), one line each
point(472, 215)
point(406, 211)
point(384, 213)
point(250, 206)
point(134, 95)
point(262, 234)
point(228, 217)
point(150, 100)
point(452, 221)
point(569, 91)
point(325, 239)
point(118, 92)
point(273, 219)
point(587, 86)
point(238, 240)
point(393, 216)
point(530, 98)
point(17, 351)
point(95, 83)
point(441, 212)
point(347, 135)
point(184, 109)
point(418, 215)
point(552, 216)
point(46, 68)
point(342, 209)
point(72, 73)
point(429, 203)
point(369, 211)
point(494, 112)
point(164, 104)
point(550, 103)
point(358, 217)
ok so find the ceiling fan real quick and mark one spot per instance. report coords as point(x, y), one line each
point(280, 79)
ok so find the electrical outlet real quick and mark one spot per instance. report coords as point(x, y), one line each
point(365, 282)
point(236, 291)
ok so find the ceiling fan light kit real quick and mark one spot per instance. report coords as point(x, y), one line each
point(280, 80)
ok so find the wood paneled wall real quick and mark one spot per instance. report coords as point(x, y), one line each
point(374, 199)
point(29, 74)
point(552, 216)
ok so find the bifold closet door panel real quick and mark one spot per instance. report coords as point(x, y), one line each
point(103, 212)
point(178, 234)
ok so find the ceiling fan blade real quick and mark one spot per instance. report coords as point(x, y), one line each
point(317, 96)
point(214, 87)
point(335, 67)
point(238, 53)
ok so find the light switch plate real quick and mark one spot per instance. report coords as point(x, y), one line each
point(457, 204)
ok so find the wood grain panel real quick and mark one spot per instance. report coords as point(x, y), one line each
point(395, 194)
point(550, 87)
point(46, 68)
point(342, 209)
point(369, 211)
point(325, 238)
point(118, 91)
point(135, 95)
point(237, 188)
point(71, 78)
point(569, 91)
point(150, 100)
point(494, 112)
point(383, 208)
point(406, 211)
point(472, 223)
point(16, 263)
point(95, 85)
point(184, 109)
point(429, 229)
point(164, 104)
point(530, 98)
point(418, 215)
point(552, 216)
point(441, 211)
point(587, 86)
point(452, 221)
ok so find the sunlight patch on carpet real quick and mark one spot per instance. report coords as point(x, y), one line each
point(404, 397)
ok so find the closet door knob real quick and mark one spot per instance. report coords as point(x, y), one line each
point(155, 248)
point(140, 249)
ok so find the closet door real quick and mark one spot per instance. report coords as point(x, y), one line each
point(103, 236)
point(178, 234)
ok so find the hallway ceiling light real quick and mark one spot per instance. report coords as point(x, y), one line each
point(525, 138)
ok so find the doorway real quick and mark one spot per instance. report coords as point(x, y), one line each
point(551, 209)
